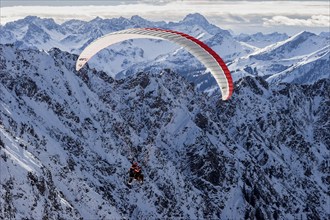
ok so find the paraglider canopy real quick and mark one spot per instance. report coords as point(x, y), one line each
point(201, 51)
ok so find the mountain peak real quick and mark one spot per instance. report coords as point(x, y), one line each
point(303, 34)
point(35, 19)
point(137, 18)
point(30, 18)
point(97, 19)
point(325, 35)
point(195, 18)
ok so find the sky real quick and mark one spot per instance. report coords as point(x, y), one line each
point(238, 16)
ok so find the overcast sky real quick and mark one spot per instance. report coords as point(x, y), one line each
point(239, 16)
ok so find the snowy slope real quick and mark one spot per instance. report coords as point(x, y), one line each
point(67, 140)
point(310, 69)
point(286, 56)
point(298, 45)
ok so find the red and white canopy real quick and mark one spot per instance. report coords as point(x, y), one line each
point(201, 51)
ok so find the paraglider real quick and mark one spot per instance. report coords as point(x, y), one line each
point(201, 51)
point(135, 173)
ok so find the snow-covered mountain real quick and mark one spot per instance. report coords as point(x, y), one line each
point(309, 69)
point(128, 56)
point(301, 44)
point(74, 35)
point(67, 139)
point(287, 58)
point(257, 54)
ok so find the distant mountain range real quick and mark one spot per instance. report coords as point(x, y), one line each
point(278, 56)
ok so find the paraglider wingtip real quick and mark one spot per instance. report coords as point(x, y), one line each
point(78, 68)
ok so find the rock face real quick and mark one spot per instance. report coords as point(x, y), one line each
point(67, 140)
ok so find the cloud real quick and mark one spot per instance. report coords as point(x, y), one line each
point(313, 21)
